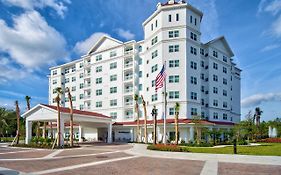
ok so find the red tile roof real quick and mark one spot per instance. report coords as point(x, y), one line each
point(75, 111)
point(186, 121)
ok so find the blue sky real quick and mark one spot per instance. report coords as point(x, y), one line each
point(36, 34)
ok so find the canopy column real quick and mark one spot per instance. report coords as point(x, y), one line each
point(109, 133)
point(28, 131)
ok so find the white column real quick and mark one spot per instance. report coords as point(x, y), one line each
point(28, 129)
point(109, 133)
point(191, 133)
point(132, 134)
point(62, 132)
point(80, 133)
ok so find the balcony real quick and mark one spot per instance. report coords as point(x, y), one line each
point(129, 90)
point(128, 65)
point(128, 77)
point(87, 97)
point(129, 103)
point(87, 86)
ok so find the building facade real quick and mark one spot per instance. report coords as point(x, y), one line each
point(202, 77)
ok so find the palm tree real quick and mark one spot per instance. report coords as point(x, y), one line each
point(59, 92)
point(177, 109)
point(196, 120)
point(145, 119)
point(71, 116)
point(18, 121)
point(257, 115)
point(136, 98)
point(27, 99)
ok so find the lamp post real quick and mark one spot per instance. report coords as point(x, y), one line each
point(154, 114)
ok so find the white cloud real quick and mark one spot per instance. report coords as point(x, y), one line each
point(272, 7)
point(257, 99)
point(82, 47)
point(126, 34)
point(57, 5)
point(270, 47)
point(276, 27)
point(31, 42)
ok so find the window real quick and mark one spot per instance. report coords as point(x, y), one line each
point(224, 116)
point(216, 115)
point(224, 70)
point(81, 96)
point(193, 111)
point(215, 77)
point(151, 26)
point(174, 95)
point(193, 96)
point(154, 54)
point(113, 115)
point(113, 90)
point(81, 107)
point(140, 87)
point(66, 70)
point(202, 89)
point(55, 81)
point(174, 48)
point(215, 90)
point(73, 79)
point(170, 18)
point(193, 65)
point(174, 78)
point(173, 34)
point(215, 54)
point(215, 66)
point(224, 58)
point(190, 19)
point(81, 85)
point(202, 76)
point(73, 88)
point(154, 97)
point(67, 80)
point(193, 80)
point(171, 111)
point(201, 51)
point(154, 68)
point(55, 72)
point(81, 65)
point(224, 81)
point(224, 104)
point(174, 63)
point(154, 40)
point(193, 36)
point(98, 57)
point(73, 68)
point(98, 104)
point(215, 103)
point(113, 65)
point(113, 53)
point(224, 93)
point(140, 61)
point(177, 17)
point(195, 21)
point(81, 75)
point(202, 64)
point(140, 74)
point(193, 50)
point(99, 69)
point(156, 23)
point(113, 102)
point(152, 83)
point(98, 92)
point(99, 80)
point(113, 77)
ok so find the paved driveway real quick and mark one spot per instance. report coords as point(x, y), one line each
point(119, 159)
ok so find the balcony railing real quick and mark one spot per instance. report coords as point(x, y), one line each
point(129, 103)
point(128, 65)
point(129, 90)
point(129, 77)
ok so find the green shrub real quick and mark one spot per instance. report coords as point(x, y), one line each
point(202, 144)
point(172, 148)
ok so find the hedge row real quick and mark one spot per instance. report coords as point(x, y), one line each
point(172, 148)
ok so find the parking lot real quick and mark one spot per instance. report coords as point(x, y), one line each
point(114, 159)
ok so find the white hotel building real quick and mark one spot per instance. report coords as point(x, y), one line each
point(202, 77)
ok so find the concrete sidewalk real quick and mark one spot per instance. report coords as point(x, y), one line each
point(140, 150)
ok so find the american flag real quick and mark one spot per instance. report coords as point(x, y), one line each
point(159, 81)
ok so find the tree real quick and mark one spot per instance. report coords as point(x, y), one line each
point(177, 109)
point(59, 92)
point(257, 115)
point(196, 120)
point(18, 121)
point(136, 98)
point(27, 99)
point(71, 116)
point(145, 119)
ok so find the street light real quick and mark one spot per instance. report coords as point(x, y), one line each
point(154, 114)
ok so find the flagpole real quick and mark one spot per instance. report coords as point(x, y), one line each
point(165, 108)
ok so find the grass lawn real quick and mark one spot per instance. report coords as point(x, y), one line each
point(268, 149)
